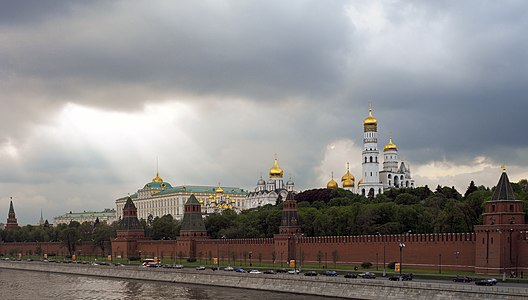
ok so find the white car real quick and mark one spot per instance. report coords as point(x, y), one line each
point(255, 272)
point(293, 272)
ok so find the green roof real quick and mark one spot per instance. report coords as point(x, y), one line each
point(89, 214)
point(192, 189)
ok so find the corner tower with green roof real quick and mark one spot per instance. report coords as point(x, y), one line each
point(192, 223)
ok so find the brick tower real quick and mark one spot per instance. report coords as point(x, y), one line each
point(193, 226)
point(289, 236)
point(129, 232)
point(498, 241)
point(11, 218)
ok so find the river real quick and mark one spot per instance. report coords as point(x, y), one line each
point(15, 284)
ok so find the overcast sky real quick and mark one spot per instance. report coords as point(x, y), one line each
point(93, 91)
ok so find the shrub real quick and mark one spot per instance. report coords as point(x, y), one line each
point(366, 265)
point(191, 259)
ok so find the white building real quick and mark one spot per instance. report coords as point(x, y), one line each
point(395, 173)
point(106, 216)
point(159, 198)
point(272, 191)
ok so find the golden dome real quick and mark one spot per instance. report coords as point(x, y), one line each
point(219, 190)
point(213, 200)
point(370, 120)
point(201, 201)
point(157, 178)
point(233, 200)
point(360, 181)
point(211, 197)
point(229, 206)
point(348, 177)
point(332, 184)
point(224, 206)
point(276, 171)
point(390, 146)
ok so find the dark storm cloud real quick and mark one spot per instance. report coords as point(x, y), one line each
point(447, 78)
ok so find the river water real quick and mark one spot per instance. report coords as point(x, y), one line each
point(15, 284)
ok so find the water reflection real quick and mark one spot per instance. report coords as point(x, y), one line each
point(16, 284)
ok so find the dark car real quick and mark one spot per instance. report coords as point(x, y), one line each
point(311, 273)
point(487, 282)
point(330, 273)
point(282, 270)
point(462, 278)
point(269, 272)
point(240, 270)
point(214, 268)
point(367, 275)
point(350, 275)
point(403, 277)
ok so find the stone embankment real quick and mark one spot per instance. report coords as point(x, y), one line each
point(322, 286)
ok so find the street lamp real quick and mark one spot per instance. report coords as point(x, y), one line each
point(384, 263)
point(402, 245)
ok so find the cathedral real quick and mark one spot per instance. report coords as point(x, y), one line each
point(272, 191)
point(395, 173)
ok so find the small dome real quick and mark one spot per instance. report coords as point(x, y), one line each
point(348, 183)
point(219, 190)
point(290, 182)
point(213, 200)
point(261, 181)
point(229, 206)
point(276, 171)
point(201, 201)
point(332, 184)
point(233, 201)
point(390, 146)
point(157, 178)
point(370, 120)
point(348, 176)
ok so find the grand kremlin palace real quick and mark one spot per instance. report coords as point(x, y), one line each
point(159, 198)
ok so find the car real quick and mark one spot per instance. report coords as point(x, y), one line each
point(310, 273)
point(29, 259)
point(330, 273)
point(240, 270)
point(403, 277)
point(269, 272)
point(282, 270)
point(215, 268)
point(488, 282)
point(255, 272)
point(462, 278)
point(350, 275)
point(367, 275)
point(119, 265)
point(177, 266)
point(200, 268)
point(229, 269)
point(293, 272)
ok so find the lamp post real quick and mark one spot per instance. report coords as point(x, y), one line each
point(218, 254)
point(402, 245)
point(250, 255)
point(384, 263)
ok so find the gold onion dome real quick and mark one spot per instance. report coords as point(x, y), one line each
point(348, 178)
point(233, 200)
point(201, 201)
point(219, 190)
point(370, 120)
point(276, 171)
point(390, 146)
point(229, 206)
point(332, 184)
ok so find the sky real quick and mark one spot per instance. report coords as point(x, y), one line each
point(93, 93)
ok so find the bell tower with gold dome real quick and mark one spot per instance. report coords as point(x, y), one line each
point(371, 184)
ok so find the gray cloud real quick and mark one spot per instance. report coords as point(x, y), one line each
point(447, 78)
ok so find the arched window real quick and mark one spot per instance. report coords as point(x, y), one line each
point(365, 159)
point(371, 159)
